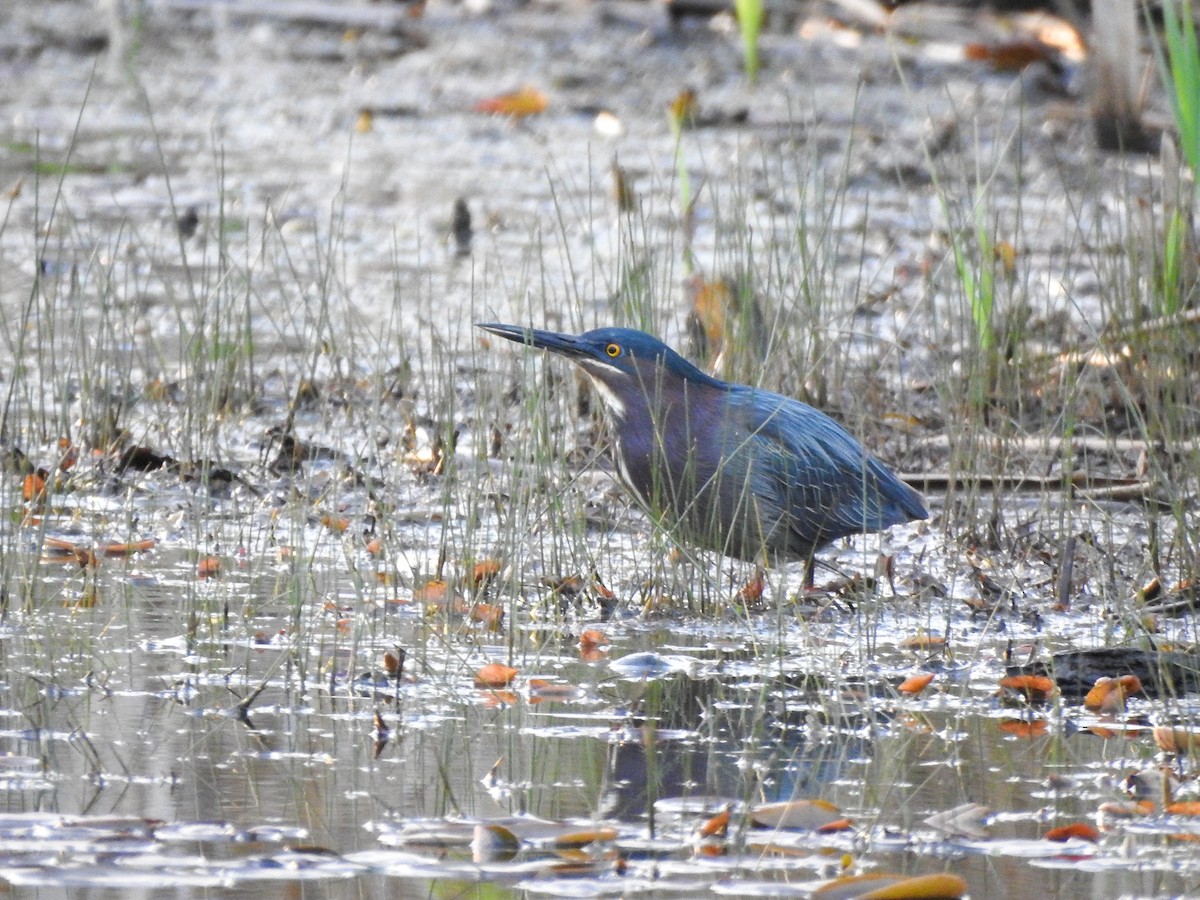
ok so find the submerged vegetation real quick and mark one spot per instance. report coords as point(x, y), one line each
point(302, 578)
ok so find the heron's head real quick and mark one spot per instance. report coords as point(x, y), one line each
point(623, 363)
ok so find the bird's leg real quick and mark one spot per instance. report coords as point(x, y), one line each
point(810, 571)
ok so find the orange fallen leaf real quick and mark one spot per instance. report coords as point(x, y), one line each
point(1184, 808)
point(542, 689)
point(34, 487)
point(751, 592)
point(1108, 694)
point(1011, 56)
point(495, 675)
point(886, 886)
point(87, 558)
point(810, 815)
point(710, 300)
point(717, 825)
point(70, 454)
point(489, 615)
point(208, 566)
point(500, 698)
point(128, 549)
point(1080, 830)
point(1034, 688)
point(374, 545)
point(584, 837)
point(1176, 740)
point(923, 642)
point(1023, 729)
point(483, 572)
point(393, 661)
point(916, 683)
point(592, 638)
point(437, 594)
point(526, 101)
point(338, 524)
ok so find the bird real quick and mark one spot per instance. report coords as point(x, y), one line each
point(749, 473)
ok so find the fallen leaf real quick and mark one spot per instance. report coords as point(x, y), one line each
point(717, 825)
point(1011, 56)
point(1034, 688)
point(495, 675)
point(393, 661)
point(1176, 740)
point(337, 524)
point(526, 101)
point(1108, 694)
point(1023, 729)
point(1079, 830)
point(483, 573)
point(489, 615)
point(34, 487)
point(923, 642)
point(885, 886)
point(809, 815)
point(208, 566)
point(916, 683)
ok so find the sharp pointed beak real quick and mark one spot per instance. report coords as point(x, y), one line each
point(563, 344)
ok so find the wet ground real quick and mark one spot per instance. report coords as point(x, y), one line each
point(292, 503)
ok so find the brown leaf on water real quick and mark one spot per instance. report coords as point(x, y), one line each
point(716, 826)
point(128, 549)
point(809, 815)
point(1023, 728)
point(337, 524)
point(437, 595)
point(915, 683)
point(1034, 689)
point(208, 567)
point(886, 886)
point(567, 586)
point(525, 101)
point(592, 638)
point(584, 837)
point(541, 689)
point(483, 573)
point(1108, 694)
point(393, 661)
point(1010, 56)
point(34, 487)
point(494, 698)
point(495, 675)
point(1176, 740)
point(489, 615)
point(111, 549)
point(1083, 831)
point(751, 592)
point(923, 642)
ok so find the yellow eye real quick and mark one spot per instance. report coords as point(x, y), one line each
point(613, 350)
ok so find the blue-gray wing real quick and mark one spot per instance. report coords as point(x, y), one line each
point(814, 479)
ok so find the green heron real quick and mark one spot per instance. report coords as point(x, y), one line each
point(752, 474)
